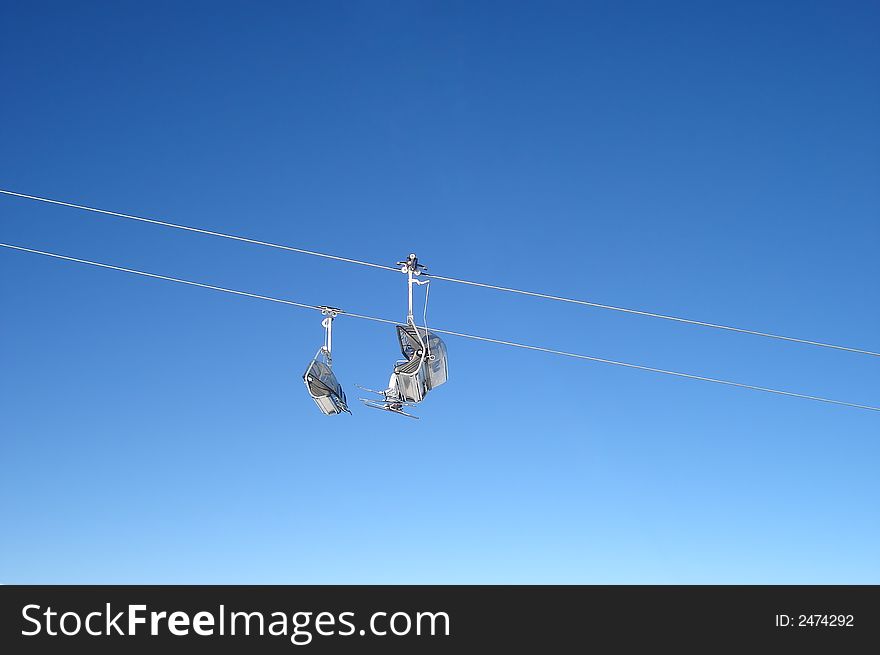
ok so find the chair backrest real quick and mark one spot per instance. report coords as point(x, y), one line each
point(420, 372)
point(436, 366)
point(324, 388)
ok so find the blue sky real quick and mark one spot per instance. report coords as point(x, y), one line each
point(712, 160)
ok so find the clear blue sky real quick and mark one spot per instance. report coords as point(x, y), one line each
point(713, 160)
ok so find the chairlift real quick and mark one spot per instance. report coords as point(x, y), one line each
point(319, 378)
point(424, 366)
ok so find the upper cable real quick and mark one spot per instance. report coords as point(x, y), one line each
point(484, 285)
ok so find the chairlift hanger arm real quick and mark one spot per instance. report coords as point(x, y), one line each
point(327, 323)
point(411, 267)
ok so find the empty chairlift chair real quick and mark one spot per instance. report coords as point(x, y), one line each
point(319, 378)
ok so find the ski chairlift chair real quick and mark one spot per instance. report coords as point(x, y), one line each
point(425, 363)
point(319, 378)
